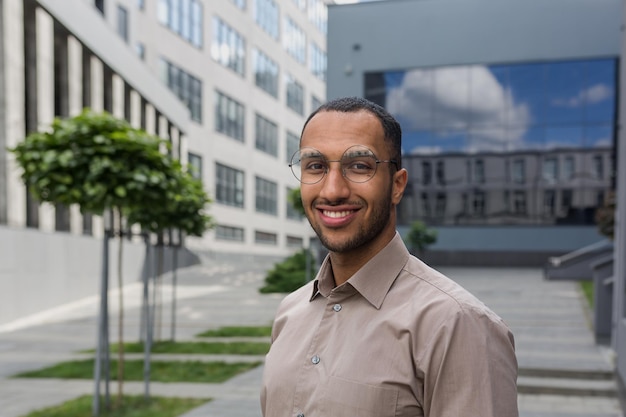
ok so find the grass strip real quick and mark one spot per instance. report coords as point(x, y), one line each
point(238, 331)
point(587, 287)
point(161, 371)
point(133, 406)
point(207, 348)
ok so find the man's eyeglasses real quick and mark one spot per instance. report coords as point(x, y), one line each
point(358, 164)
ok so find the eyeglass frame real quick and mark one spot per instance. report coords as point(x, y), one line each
point(343, 169)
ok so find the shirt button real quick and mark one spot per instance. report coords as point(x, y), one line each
point(300, 415)
point(337, 307)
point(315, 359)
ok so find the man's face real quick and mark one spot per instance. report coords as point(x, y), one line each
point(349, 216)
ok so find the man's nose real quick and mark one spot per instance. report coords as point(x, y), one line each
point(334, 184)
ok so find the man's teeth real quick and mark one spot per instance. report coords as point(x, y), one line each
point(336, 214)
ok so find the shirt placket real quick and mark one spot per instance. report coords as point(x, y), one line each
point(317, 363)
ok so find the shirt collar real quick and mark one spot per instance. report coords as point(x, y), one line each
point(374, 279)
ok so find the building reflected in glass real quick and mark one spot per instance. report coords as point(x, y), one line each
point(528, 143)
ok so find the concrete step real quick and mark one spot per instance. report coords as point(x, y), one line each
point(567, 386)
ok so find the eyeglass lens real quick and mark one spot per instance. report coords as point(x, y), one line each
point(358, 164)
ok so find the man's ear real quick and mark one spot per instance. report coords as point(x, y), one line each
point(400, 179)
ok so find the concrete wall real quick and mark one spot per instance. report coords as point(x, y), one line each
point(41, 270)
point(505, 245)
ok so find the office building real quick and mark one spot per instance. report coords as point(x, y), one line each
point(508, 112)
point(229, 83)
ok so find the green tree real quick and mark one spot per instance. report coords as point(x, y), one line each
point(295, 199)
point(605, 216)
point(420, 237)
point(101, 163)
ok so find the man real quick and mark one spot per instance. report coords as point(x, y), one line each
point(378, 333)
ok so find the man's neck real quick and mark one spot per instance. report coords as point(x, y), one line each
point(346, 264)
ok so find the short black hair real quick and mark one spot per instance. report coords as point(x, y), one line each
point(391, 127)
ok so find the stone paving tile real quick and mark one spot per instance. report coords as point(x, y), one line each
point(548, 319)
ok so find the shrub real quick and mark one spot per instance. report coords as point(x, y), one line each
point(288, 275)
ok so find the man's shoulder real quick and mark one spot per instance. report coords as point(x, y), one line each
point(433, 288)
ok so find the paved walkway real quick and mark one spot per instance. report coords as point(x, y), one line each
point(562, 372)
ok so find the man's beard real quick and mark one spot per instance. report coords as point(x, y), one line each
point(365, 234)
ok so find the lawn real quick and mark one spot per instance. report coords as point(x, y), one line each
point(178, 371)
point(133, 406)
point(206, 348)
point(238, 331)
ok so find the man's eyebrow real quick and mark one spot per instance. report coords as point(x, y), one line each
point(311, 154)
point(359, 152)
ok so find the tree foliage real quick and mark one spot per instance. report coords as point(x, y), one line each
point(288, 275)
point(295, 199)
point(99, 162)
point(605, 216)
point(420, 236)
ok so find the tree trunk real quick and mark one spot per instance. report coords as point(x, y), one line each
point(120, 284)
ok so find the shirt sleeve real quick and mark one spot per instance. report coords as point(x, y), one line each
point(470, 368)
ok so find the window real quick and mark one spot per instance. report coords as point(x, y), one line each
point(229, 117)
point(315, 103)
point(266, 196)
point(195, 165)
point(228, 233)
point(598, 167)
point(140, 49)
point(318, 14)
point(301, 4)
point(519, 171)
point(141, 4)
point(294, 40)
point(568, 168)
point(122, 23)
point(61, 218)
point(229, 185)
point(265, 73)
point(550, 170)
point(293, 144)
point(440, 173)
point(292, 213)
point(295, 95)
point(479, 203)
point(567, 200)
point(317, 62)
point(186, 87)
point(426, 205)
point(479, 171)
point(228, 47)
point(266, 135)
point(240, 4)
point(506, 201)
point(266, 16)
point(294, 242)
point(427, 174)
point(184, 17)
point(440, 205)
point(99, 5)
point(519, 202)
point(265, 238)
point(549, 202)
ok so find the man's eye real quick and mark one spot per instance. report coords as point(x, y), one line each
point(315, 166)
point(359, 166)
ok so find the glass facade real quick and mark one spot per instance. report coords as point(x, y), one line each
point(510, 144)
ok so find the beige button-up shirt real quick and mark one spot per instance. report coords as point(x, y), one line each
point(397, 339)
